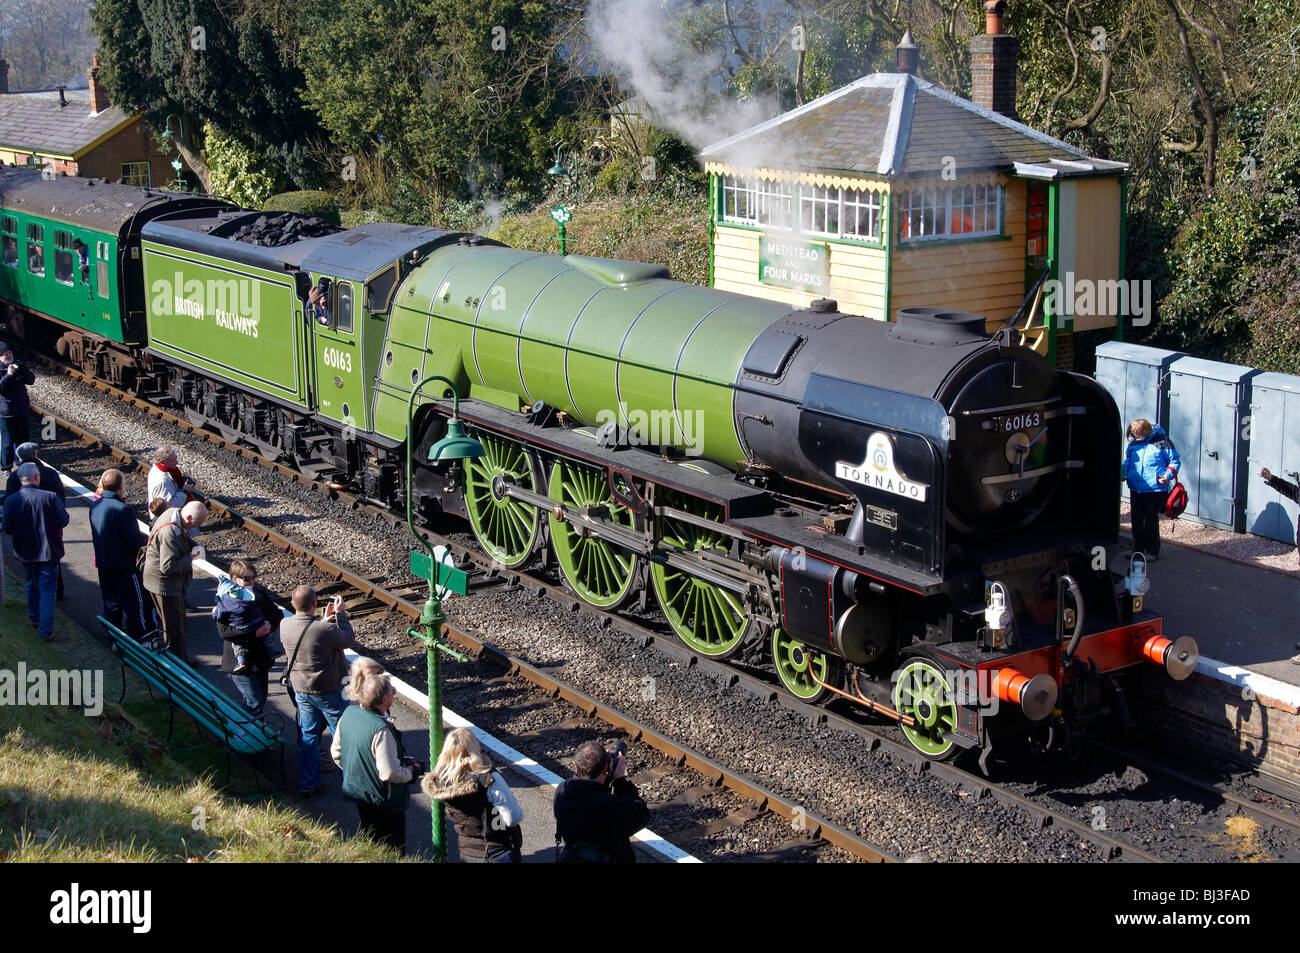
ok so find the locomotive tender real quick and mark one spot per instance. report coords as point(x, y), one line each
point(914, 515)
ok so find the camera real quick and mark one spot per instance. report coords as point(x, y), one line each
point(620, 748)
point(418, 768)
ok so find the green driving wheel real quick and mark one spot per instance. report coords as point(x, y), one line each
point(796, 664)
point(506, 528)
point(596, 571)
point(922, 692)
point(708, 618)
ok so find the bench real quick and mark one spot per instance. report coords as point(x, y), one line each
point(211, 709)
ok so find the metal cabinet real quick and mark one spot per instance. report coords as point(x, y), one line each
point(1137, 377)
point(1274, 443)
point(1208, 406)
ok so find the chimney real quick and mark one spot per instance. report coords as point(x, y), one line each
point(993, 63)
point(4, 76)
point(98, 94)
point(906, 52)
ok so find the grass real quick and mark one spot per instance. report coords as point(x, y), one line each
point(79, 788)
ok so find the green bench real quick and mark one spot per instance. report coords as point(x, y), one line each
point(211, 709)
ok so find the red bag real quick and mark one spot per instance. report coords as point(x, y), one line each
point(1176, 501)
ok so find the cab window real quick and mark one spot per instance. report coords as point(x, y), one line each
point(379, 290)
point(343, 293)
point(36, 249)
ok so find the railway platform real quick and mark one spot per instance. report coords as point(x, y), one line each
point(532, 784)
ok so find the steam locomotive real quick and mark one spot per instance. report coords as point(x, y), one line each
point(916, 516)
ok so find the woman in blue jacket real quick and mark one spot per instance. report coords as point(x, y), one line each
point(1151, 467)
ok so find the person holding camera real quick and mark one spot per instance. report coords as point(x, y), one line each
point(377, 774)
point(482, 807)
point(597, 811)
point(316, 669)
point(14, 405)
point(1292, 492)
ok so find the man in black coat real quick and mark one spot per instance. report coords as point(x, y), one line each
point(14, 405)
point(35, 518)
point(599, 810)
point(30, 453)
point(118, 539)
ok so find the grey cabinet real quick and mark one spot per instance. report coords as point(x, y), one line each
point(1208, 406)
point(1275, 443)
point(1137, 377)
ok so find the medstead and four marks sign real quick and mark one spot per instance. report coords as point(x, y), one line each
point(788, 263)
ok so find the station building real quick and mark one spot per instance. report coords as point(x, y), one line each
point(79, 132)
point(892, 193)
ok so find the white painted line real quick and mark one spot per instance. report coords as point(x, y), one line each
point(1263, 686)
point(508, 754)
point(527, 765)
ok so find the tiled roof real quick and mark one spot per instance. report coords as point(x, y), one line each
point(37, 123)
point(894, 124)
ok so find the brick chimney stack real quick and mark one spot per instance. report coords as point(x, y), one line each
point(907, 53)
point(4, 76)
point(993, 63)
point(98, 94)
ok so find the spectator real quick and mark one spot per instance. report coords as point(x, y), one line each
point(247, 628)
point(14, 405)
point(377, 774)
point(166, 480)
point(168, 569)
point(30, 453)
point(118, 540)
point(50, 480)
point(1150, 463)
point(156, 509)
point(316, 668)
point(482, 808)
point(252, 675)
point(362, 668)
point(35, 518)
point(1292, 492)
point(598, 810)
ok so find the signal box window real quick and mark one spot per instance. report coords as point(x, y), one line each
point(136, 173)
point(36, 250)
point(63, 258)
point(10, 228)
point(344, 293)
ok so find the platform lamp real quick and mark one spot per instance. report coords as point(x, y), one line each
point(456, 445)
point(560, 213)
point(167, 135)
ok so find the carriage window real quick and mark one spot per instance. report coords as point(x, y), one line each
point(36, 249)
point(63, 258)
point(343, 292)
point(101, 278)
point(10, 228)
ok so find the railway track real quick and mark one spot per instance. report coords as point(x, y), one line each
point(376, 598)
point(402, 598)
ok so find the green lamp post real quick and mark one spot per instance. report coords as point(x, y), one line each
point(442, 579)
point(560, 213)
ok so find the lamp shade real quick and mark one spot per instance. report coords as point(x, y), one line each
point(456, 445)
point(557, 169)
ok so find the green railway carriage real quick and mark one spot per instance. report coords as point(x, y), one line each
point(69, 254)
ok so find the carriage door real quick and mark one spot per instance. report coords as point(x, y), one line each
point(337, 352)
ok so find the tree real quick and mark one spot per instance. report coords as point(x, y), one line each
point(207, 61)
point(460, 95)
point(46, 42)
